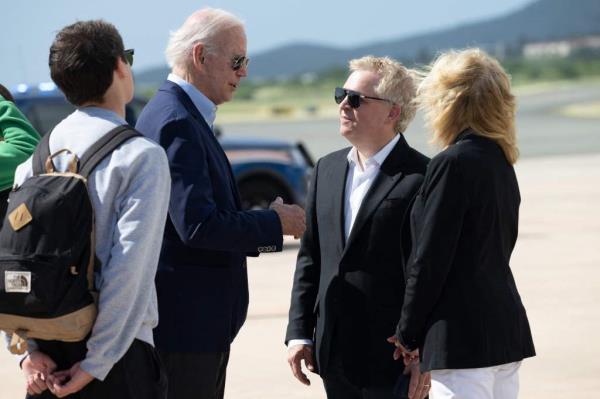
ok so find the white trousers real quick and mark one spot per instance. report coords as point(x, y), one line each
point(498, 382)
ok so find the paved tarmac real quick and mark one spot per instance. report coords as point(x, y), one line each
point(556, 264)
point(557, 267)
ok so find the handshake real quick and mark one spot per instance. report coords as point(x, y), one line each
point(292, 218)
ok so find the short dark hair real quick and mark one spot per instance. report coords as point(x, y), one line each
point(6, 94)
point(83, 58)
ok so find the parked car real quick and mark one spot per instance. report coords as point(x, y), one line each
point(263, 168)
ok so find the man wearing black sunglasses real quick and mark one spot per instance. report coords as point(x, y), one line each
point(129, 193)
point(202, 281)
point(349, 281)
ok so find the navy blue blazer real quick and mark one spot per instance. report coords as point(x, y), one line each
point(202, 282)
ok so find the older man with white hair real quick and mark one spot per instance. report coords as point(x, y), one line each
point(202, 281)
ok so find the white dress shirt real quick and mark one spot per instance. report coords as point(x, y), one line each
point(358, 181)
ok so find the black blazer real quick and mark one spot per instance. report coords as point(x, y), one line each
point(461, 306)
point(353, 291)
point(202, 281)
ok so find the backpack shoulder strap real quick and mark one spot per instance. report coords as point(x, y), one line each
point(101, 148)
point(41, 153)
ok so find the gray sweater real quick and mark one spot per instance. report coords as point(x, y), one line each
point(130, 192)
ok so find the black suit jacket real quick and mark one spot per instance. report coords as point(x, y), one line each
point(202, 281)
point(352, 292)
point(461, 304)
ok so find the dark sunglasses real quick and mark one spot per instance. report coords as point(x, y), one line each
point(128, 54)
point(354, 97)
point(239, 62)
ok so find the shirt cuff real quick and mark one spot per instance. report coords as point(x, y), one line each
point(294, 342)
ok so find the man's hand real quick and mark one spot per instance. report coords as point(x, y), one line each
point(296, 354)
point(36, 367)
point(420, 383)
point(66, 382)
point(292, 218)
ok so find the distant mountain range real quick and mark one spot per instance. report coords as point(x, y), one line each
point(541, 20)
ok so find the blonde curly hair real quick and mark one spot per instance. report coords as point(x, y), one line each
point(396, 84)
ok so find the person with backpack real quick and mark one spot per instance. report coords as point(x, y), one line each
point(129, 193)
point(18, 139)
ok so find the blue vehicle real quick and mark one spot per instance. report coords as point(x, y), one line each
point(263, 168)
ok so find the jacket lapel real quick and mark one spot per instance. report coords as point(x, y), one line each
point(191, 108)
point(334, 179)
point(389, 175)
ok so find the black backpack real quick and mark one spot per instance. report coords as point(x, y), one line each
point(47, 248)
point(3, 202)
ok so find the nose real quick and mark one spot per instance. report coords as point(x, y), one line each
point(344, 104)
point(242, 72)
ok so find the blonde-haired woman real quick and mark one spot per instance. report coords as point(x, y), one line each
point(462, 310)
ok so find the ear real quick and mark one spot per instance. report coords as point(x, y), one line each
point(394, 113)
point(198, 53)
point(121, 68)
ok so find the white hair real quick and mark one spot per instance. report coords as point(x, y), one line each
point(203, 26)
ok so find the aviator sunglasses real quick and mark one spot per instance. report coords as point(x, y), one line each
point(354, 97)
point(238, 62)
point(128, 54)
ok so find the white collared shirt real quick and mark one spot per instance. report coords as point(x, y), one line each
point(207, 108)
point(358, 182)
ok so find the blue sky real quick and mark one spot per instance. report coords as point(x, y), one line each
point(30, 25)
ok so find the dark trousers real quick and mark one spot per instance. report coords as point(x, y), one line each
point(139, 374)
point(337, 386)
point(195, 375)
